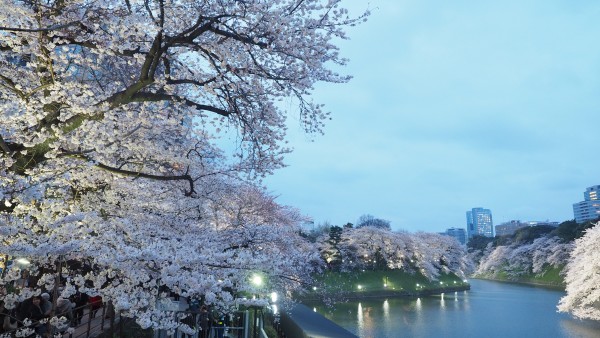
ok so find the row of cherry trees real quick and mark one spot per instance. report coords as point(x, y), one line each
point(516, 260)
point(112, 113)
point(579, 261)
point(582, 277)
point(348, 249)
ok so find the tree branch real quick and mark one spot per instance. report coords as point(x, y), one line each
point(147, 97)
point(4, 146)
point(185, 177)
point(33, 30)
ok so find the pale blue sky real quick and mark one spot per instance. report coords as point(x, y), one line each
point(455, 105)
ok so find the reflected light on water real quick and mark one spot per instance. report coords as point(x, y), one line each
point(442, 302)
point(418, 305)
point(359, 313)
point(386, 309)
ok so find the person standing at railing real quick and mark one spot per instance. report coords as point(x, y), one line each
point(80, 300)
point(219, 326)
point(64, 307)
point(31, 309)
point(9, 318)
point(95, 304)
point(46, 305)
point(205, 320)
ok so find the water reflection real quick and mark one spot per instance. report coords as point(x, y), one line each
point(490, 310)
point(442, 302)
point(386, 310)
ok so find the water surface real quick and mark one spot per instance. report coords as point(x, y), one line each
point(489, 309)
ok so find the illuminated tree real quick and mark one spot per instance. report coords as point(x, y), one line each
point(583, 277)
point(112, 117)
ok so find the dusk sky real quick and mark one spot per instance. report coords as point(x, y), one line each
point(455, 105)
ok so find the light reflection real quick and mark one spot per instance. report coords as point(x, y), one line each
point(442, 302)
point(386, 309)
point(360, 318)
point(419, 306)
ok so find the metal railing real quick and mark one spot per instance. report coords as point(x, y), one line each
point(84, 321)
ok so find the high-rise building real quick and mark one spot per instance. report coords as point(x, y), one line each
point(589, 208)
point(458, 233)
point(479, 222)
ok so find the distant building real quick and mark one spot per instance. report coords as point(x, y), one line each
point(459, 233)
point(543, 223)
point(509, 228)
point(479, 222)
point(589, 208)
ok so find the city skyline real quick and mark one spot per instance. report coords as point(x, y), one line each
point(454, 105)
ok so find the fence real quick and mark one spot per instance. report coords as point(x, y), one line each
point(84, 321)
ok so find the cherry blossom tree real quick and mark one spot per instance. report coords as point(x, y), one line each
point(583, 277)
point(114, 116)
point(378, 248)
point(516, 260)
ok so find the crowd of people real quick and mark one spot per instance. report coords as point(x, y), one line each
point(31, 312)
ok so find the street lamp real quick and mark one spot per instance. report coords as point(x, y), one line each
point(257, 280)
point(23, 261)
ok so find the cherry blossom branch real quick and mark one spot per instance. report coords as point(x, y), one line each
point(147, 97)
point(4, 146)
point(34, 30)
point(185, 177)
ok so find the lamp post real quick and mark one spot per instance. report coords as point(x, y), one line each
point(257, 281)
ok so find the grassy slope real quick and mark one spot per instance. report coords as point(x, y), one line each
point(550, 277)
point(373, 283)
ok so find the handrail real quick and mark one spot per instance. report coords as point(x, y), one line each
point(87, 321)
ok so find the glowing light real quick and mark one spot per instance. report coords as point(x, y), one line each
point(22, 261)
point(360, 287)
point(257, 280)
point(274, 297)
point(314, 288)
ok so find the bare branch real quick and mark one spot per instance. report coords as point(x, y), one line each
point(148, 97)
point(4, 146)
point(185, 177)
point(33, 30)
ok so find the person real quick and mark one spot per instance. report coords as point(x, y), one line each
point(31, 308)
point(22, 282)
point(9, 318)
point(80, 300)
point(95, 304)
point(46, 305)
point(205, 320)
point(64, 307)
point(219, 326)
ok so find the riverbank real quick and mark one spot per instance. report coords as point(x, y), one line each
point(550, 278)
point(560, 287)
point(381, 284)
